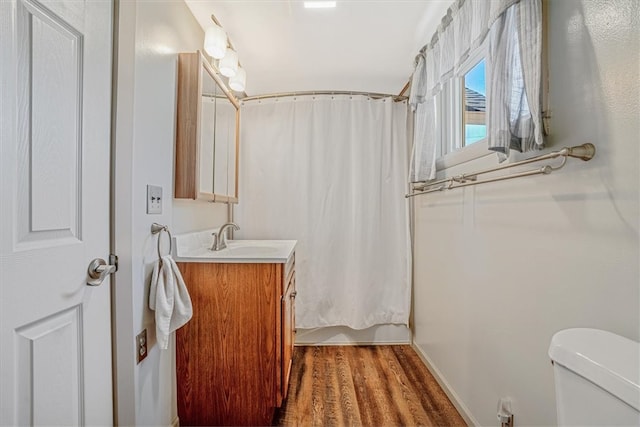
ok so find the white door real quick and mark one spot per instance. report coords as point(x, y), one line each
point(55, 336)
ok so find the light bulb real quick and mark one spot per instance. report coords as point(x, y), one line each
point(239, 81)
point(215, 41)
point(229, 64)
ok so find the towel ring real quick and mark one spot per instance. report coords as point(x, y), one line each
point(157, 228)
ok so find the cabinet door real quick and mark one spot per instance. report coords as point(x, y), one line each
point(207, 146)
point(288, 332)
point(226, 356)
point(206, 133)
point(225, 132)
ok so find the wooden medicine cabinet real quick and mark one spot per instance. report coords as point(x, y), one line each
point(206, 133)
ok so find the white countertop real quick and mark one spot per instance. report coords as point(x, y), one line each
point(194, 247)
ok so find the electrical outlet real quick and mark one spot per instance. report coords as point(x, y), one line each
point(141, 345)
point(505, 415)
point(154, 199)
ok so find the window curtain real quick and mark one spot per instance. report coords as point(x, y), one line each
point(423, 155)
point(515, 28)
point(330, 172)
point(514, 105)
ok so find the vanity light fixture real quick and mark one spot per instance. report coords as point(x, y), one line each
point(319, 4)
point(215, 41)
point(218, 45)
point(239, 80)
point(229, 64)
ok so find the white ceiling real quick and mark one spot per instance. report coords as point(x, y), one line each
point(361, 45)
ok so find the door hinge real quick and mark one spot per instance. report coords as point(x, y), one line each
point(113, 260)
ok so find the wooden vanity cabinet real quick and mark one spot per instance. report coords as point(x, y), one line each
point(233, 358)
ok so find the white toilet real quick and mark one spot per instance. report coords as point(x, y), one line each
point(597, 377)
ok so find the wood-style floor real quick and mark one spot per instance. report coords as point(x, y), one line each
point(363, 386)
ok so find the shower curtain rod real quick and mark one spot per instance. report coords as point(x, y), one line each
point(396, 98)
point(584, 152)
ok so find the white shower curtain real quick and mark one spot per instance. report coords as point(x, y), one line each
point(330, 172)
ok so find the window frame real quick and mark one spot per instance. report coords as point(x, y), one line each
point(451, 150)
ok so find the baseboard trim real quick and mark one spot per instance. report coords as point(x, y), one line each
point(453, 397)
point(346, 344)
point(340, 335)
point(176, 422)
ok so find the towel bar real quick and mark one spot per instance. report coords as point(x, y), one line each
point(583, 152)
point(156, 229)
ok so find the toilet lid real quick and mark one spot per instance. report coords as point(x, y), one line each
point(610, 361)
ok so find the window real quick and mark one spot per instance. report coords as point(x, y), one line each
point(461, 113)
point(474, 96)
point(454, 118)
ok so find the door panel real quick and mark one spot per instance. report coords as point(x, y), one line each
point(51, 85)
point(55, 81)
point(49, 132)
point(48, 354)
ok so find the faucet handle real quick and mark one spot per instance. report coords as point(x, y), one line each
point(214, 243)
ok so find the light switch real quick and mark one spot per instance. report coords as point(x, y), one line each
point(154, 199)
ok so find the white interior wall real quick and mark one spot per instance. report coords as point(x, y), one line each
point(150, 36)
point(500, 268)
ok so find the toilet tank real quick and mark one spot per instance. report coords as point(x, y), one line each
point(597, 378)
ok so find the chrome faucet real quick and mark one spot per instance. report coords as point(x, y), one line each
point(220, 238)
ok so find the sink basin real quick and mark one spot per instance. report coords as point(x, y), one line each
point(252, 250)
point(194, 247)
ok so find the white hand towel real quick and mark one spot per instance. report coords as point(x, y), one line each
point(169, 298)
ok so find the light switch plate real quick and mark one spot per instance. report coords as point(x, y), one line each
point(154, 199)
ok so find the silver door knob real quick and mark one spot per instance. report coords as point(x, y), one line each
point(98, 271)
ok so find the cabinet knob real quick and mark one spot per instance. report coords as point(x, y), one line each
point(293, 294)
